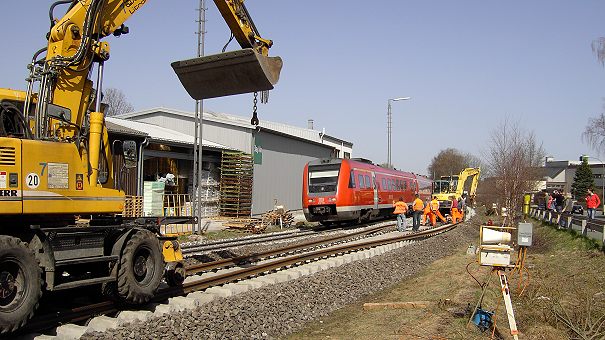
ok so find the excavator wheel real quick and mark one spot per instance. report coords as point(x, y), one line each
point(20, 284)
point(141, 268)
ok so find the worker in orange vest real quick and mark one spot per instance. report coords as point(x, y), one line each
point(401, 208)
point(426, 213)
point(417, 208)
point(456, 216)
point(432, 211)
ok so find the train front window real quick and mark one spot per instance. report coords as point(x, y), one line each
point(323, 178)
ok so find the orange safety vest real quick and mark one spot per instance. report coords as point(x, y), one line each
point(418, 205)
point(435, 205)
point(400, 207)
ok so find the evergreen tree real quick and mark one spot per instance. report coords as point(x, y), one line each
point(582, 180)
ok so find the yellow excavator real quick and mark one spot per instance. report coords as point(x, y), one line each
point(60, 192)
point(448, 186)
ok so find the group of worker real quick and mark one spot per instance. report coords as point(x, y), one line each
point(429, 211)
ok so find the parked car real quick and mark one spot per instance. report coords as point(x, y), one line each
point(577, 209)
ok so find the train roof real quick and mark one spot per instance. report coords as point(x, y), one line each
point(367, 164)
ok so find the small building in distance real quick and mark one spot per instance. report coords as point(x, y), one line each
point(559, 175)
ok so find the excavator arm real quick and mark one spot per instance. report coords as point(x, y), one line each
point(67, 107)
point(463, 177)
point(243, 71)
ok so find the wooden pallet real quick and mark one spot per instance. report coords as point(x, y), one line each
point(133, 206)
point(236, 184)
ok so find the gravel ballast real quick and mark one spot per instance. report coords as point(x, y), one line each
point(277, 310)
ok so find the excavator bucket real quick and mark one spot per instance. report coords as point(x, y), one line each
point(229, 73)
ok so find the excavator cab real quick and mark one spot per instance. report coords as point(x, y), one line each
point(229, 73)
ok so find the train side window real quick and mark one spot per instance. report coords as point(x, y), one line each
point(367, 184)
point(352, 180)
point(384, 184)
point(405, 185)
point(360, 180)
point(392, 184)
point(398, 185)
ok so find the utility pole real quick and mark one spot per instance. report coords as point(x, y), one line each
point(199, 123)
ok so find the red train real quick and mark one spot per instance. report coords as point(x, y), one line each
point(336, 190)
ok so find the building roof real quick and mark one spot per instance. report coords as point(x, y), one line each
point(116, 128)
point(244, 122)
point(160, 134)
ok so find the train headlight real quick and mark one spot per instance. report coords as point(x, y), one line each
point(332, 199)
point(310, 200)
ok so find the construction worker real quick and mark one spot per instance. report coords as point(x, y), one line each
point(426, 213)
point(401, 208)
point(432, 211)
point(417, 208)
point(456, 217)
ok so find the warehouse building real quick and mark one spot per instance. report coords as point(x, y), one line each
point(280, 151)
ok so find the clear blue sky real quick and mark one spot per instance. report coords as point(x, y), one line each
point(466, 64)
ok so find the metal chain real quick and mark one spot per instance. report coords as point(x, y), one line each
point(254, 121)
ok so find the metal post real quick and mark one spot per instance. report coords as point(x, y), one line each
point(389, 127)
point(198, 120)
point(389, 133)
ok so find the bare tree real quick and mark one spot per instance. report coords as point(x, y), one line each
point(598, 47)
point(594, 133)
point(514, 158)
point(450, 162)
point(116, 101)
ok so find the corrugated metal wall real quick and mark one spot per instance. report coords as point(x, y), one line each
point(280, 174)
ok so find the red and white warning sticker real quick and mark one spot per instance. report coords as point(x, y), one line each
point(3, 180)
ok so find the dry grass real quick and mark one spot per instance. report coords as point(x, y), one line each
point(565, 298)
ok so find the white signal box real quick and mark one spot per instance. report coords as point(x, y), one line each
point(525, 234)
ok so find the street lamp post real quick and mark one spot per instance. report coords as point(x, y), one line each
point(602, 179)
point(389, 126)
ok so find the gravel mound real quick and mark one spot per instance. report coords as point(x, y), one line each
point(278, 310)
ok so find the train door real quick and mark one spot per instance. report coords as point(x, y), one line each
point(375, 190)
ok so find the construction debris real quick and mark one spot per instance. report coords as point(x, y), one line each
point(279, 216)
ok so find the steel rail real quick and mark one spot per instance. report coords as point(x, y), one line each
point(197, 268)
point(187, 249)
point(42, 323)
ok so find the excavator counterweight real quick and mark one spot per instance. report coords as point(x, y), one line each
point(228, 73)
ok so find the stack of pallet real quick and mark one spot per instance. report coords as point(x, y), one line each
point(209, 194)
point(133, 206)
point(236, 184)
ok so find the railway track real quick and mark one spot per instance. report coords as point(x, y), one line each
point(256, 265)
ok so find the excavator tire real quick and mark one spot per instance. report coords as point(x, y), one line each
point(20, 284)
point(141, 268)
